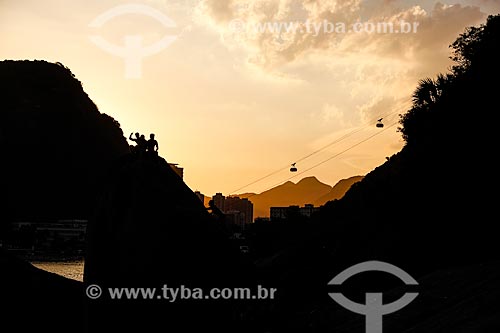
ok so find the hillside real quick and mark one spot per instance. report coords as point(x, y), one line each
point(55, 141)
point(150, 229)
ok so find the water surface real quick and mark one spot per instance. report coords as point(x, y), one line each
point(69, 269)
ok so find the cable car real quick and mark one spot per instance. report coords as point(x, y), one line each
point(379, 123)
point(293, 168)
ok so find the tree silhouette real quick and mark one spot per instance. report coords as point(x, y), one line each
point(474, 53)
point(424, 98)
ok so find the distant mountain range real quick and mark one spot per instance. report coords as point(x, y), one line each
point(307, 191)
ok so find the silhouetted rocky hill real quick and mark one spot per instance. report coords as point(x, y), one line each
point(151, 230)
point(55, 142)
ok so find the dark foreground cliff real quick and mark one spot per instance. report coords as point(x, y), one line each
point(33, 300)
point(151, 230)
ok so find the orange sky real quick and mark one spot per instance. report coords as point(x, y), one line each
point(231, 106)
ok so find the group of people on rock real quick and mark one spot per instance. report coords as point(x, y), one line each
point(142, 145)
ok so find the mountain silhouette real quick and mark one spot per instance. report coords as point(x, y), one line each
point(308, 190)
point(55, 142)
point(338, 190)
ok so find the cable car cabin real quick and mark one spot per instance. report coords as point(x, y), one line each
point(293, 168)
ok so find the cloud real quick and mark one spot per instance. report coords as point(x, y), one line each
point(386, 107)
point(488, 6)
point(219, 11)
point(333, 114)
point(295, 37)
point(352, 79)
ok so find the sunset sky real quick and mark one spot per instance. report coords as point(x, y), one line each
point(232, 104)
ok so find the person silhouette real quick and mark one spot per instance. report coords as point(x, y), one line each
point(215, 211)
point(134, 139)
point(140, 143)
point(152, 145)
point(133, 149)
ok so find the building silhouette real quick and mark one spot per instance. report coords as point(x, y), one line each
point(178, 170)
point(238, 211)
point(283, 213)
point(243, 206)
point(200, 196)
point(46, 239)
point(219, 201)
